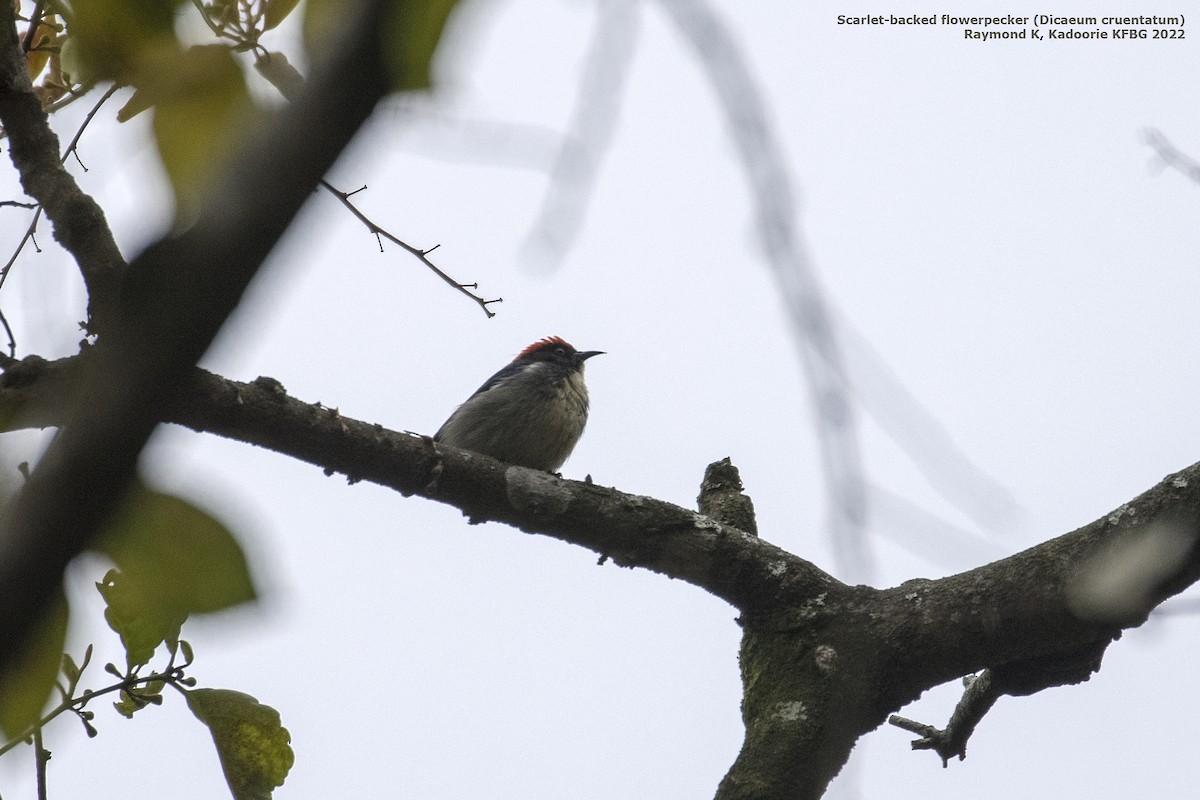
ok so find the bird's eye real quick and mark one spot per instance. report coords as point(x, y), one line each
point(562, 351)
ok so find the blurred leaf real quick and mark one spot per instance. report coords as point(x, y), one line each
point(110, 37)
point(26, 685)
point(282, 75)
point(411, 35)
point(322, 19)
point(251, 742)
point(172, 560)
point(201, 107)
point(414, 31)
point(138, 102)
point(276, 11)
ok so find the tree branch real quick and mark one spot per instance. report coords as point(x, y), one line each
point(823, 662)
point(175, 298)
point(79, 223)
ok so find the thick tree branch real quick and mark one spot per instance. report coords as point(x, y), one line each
point(79, 223)
point(175, 298)
point(823, 663)
point(631, 530)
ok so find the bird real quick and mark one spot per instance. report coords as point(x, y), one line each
point(530, 413)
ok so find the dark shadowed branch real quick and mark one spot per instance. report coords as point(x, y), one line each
point(589, 133)
point(78, 221)
point(1172, 156)
point(174, 299)
point(778, 231)
point(823, 662)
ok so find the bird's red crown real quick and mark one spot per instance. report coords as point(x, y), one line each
point(549, 341)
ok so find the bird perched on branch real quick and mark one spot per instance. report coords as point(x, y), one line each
point(531, 412)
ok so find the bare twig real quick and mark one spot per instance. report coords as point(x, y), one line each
point(40, 757)
point(767, 171)
point(37, 215)
point(421, 255)
point(35, 22)
point(38, 206)
point(78, 220)
point(597, 108)
point(980, 695)
point(12, 340)
point(1172, 156)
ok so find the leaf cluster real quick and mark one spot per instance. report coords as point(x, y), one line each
point(171, 560)
point(196, 88)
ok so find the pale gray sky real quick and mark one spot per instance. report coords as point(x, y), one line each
point(985, 214)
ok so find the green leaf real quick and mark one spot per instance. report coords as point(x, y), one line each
point(276, 11)
point(70, 669)
point(412, 33)
point(28, 682)
point(201, 111)
point(172, 560)
point(135, 614)
point(109, 38)
point(252, 744)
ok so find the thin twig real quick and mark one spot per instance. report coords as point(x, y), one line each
point(589, 136)
point(32, 229)
point(35, 22)
point(980, 695)
point(12, 340)
point(169, 677)
point(739, 96)
point(1172, 156)
point(40, 757)
point(422, 255)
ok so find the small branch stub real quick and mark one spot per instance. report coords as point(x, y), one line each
point(721, 497)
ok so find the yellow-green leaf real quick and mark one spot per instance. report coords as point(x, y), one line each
point(173, 559)
point(27, 683)
point(111, 36)
point(253, 745)
point(201, 109)
point(276, 11)
point(138, 102)
point(143, 622)
point(322, 19)
point(414, 31)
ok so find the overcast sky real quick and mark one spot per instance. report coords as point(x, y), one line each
point(985, 220)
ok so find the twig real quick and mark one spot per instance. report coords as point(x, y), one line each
point(87, 121)
point(981, 694)
point(169, 677)
point(35, 22)
point(597, 108)
point(32, 229)
point(12, 340)
point(1172, 156)
point(40, 756)
point(422, 255)
point(766, 169)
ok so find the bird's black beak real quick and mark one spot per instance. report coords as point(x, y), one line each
point(586, 354)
